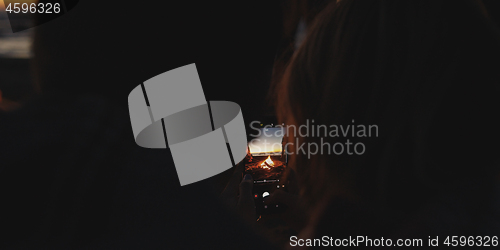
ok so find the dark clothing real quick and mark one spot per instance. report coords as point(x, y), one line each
point(471, 211)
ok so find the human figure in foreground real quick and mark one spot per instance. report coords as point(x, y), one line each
point(424, 72)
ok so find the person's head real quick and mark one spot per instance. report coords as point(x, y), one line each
point(422, 71)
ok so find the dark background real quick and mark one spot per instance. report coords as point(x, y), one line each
point(71, 173)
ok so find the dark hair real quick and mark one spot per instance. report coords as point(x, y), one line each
point(421, 71)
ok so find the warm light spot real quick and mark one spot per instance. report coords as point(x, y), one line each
point(267, 164)
point(2, 4)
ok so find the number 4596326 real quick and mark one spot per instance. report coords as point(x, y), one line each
point(33, 8)
point(484, 241)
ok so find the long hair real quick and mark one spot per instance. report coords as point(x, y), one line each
point(421, 71)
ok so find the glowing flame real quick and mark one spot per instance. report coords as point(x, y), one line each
point(267, 164)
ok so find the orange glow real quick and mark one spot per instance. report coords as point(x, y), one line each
point(267, 164)
point(2, 4)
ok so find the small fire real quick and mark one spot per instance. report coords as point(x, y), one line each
point(267, 164)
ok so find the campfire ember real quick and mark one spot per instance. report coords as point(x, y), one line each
point(265, 168)
point(267, 164)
